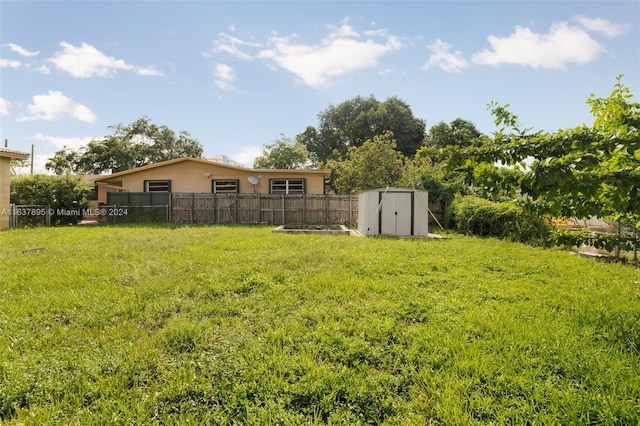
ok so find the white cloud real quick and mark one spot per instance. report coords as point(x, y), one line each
point(86, 61)
point(340, 53)
point(148, 71)
point(233, 46)
point(4, 107)
point(39, 161)
point(54, 106)
point(6, 63)
point(20, 50)
point(60, 143)
point(598, 25)
point(224, 76)
point(43, 69)
point(377, 33)
point(247, 155)
point(562, 45)
point(344, 31)
point(443, 58)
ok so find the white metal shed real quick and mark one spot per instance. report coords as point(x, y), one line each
point(393, 211)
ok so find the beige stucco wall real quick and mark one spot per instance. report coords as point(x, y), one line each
point(196, 176)
point(5, 179)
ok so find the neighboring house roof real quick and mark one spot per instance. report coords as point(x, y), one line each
point(322, 172)
point(13, 154)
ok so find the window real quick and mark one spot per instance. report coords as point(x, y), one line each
point(93, 195)
point(224, 186)
point(287, 186)
point(157, 186)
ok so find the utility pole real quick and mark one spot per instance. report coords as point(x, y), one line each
point(32, 149)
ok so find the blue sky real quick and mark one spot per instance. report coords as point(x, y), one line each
point(236, 75)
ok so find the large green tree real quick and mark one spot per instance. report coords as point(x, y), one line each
point(440, 165)
point(443, 184)
point(459, 133)
point(357, 120)
point(283, 153)
point(578, 172)
point(137, 144)
point(375, 164)
point(64, 161)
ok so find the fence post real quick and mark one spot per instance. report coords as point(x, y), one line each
point(259, 208)
point(304, 209)
point(193, 206)
point(327, 219)
point(47, 217)
point(216, 209)
point(235, 209)
point(12, 216)
point(284, 220)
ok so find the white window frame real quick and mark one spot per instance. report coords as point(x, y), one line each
point(157, 185)
point(225, 186)
point(296, 186)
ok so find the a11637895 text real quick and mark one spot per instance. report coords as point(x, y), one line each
point(43, 211)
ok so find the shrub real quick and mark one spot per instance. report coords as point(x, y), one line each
point(477, 216)
point(57, 192)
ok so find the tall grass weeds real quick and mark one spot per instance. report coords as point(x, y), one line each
point(239, 325)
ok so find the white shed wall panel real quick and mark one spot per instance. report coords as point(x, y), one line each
point(393, 211)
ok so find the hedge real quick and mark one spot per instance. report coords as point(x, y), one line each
point(472, 215)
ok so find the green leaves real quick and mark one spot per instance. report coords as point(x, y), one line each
point(459, 133)
point(359, 119)
point(283, 153)
point(56, 192)
point(135, 145)
point(582, 171)
point(375, 164)
point(476, 216)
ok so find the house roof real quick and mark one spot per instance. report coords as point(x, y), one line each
point(323, 172)
point(13, 154)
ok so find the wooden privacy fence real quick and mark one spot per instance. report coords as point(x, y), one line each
point(242, 208)
point(188, 207)
point(267, 209)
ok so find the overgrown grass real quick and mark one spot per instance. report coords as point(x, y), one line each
point(238, 325)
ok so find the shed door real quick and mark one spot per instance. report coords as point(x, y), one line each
point(396, 213)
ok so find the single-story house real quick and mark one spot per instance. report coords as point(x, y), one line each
point(6, 155)
point(201, 176)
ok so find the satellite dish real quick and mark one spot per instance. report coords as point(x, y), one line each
point(253, 180)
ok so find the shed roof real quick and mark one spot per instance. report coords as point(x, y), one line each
point(323, 172)
point(394, 189)
point(13, 154)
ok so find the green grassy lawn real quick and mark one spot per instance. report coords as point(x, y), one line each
point(238, 325)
